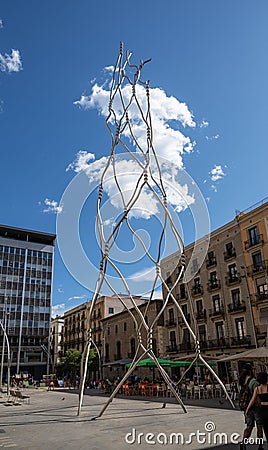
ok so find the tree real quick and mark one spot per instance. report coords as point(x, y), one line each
point(70, 363)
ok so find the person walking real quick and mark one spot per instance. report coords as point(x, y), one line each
point(260, 395)
point(248, 383)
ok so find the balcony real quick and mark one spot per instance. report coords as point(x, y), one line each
point(218, 343)
point(181, 321)
point(241, 341)
point(229, 254)
point(172, 348)
point(197, 290)
point(186, 346)
point(232, 279)
point(257, 268)
point(213, 285)
point(262, 297)
point(237, 307)
point(170, 323)
point(201, 316)
point(258, 239)
point(211, 262)
point(216, 312)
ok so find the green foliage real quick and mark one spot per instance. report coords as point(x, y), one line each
point(70, 362)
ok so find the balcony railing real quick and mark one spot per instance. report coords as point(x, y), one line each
point(218, 343)
point(257, 268)
point(197, 290)
point(186, 346)
point(172, 348)
point(170, 323)
point(216, 312)
point(229, 254)
point(262, 297)
point(241, 341)
point(213, 285)
point(236, 307)
point(201, 315)
point(181, 321)
point(258, 239)
point(211, 262)
point(232, 279)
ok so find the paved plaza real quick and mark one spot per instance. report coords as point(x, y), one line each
point(50, 422)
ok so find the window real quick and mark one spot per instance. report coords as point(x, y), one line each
point(199, 306)
point(213, 281)
point(107, 351)
point(132, 347)
point(197, 282)
point(110, 310)
point(171, 316)
point(202, 333)
point(182, 291)
point(253, 235)
point(211, 261)
point(219, 330)
point(229, 249)
point(172, 338)
point(116, 329)
point(232, 272)
point(257, 261)
point(118, 350)
point(240, 330)
point(186, 335)
point(262, 290)
point(235, 297)
point(216, 303)
point(125, 326)
point(184, 310)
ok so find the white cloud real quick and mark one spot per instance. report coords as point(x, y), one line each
point(211, 138)
point(58, 309)
point(168, 114)
point(60, 290)
point(11, 63)
point(76, 297)
point(146, 274)
point(1, 24)
point(217, 173)
point(204, 124)
point(52, 207)
point(168, 140)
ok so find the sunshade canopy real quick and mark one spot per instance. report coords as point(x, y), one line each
point(148, 362)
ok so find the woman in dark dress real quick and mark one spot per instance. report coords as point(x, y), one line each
point(261, 396)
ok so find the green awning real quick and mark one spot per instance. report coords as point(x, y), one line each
point(148, 362)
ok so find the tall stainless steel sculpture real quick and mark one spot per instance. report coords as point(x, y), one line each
point(148, 175)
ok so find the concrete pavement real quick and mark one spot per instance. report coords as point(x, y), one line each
point(50, 422)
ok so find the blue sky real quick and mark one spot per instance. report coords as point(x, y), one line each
point(210, 55)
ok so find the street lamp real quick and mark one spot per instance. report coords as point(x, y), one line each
point(250, 307)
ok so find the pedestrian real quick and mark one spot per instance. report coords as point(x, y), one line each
point(248, 383)
point(261, 396)
point(51, 386)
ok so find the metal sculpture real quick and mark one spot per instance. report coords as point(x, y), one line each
point(149, 178)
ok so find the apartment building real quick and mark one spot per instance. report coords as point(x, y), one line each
point(56, 340)
point(253, 224)
point(26, 273)
point(216, 301)
point(76, 320)
point(120, 337)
